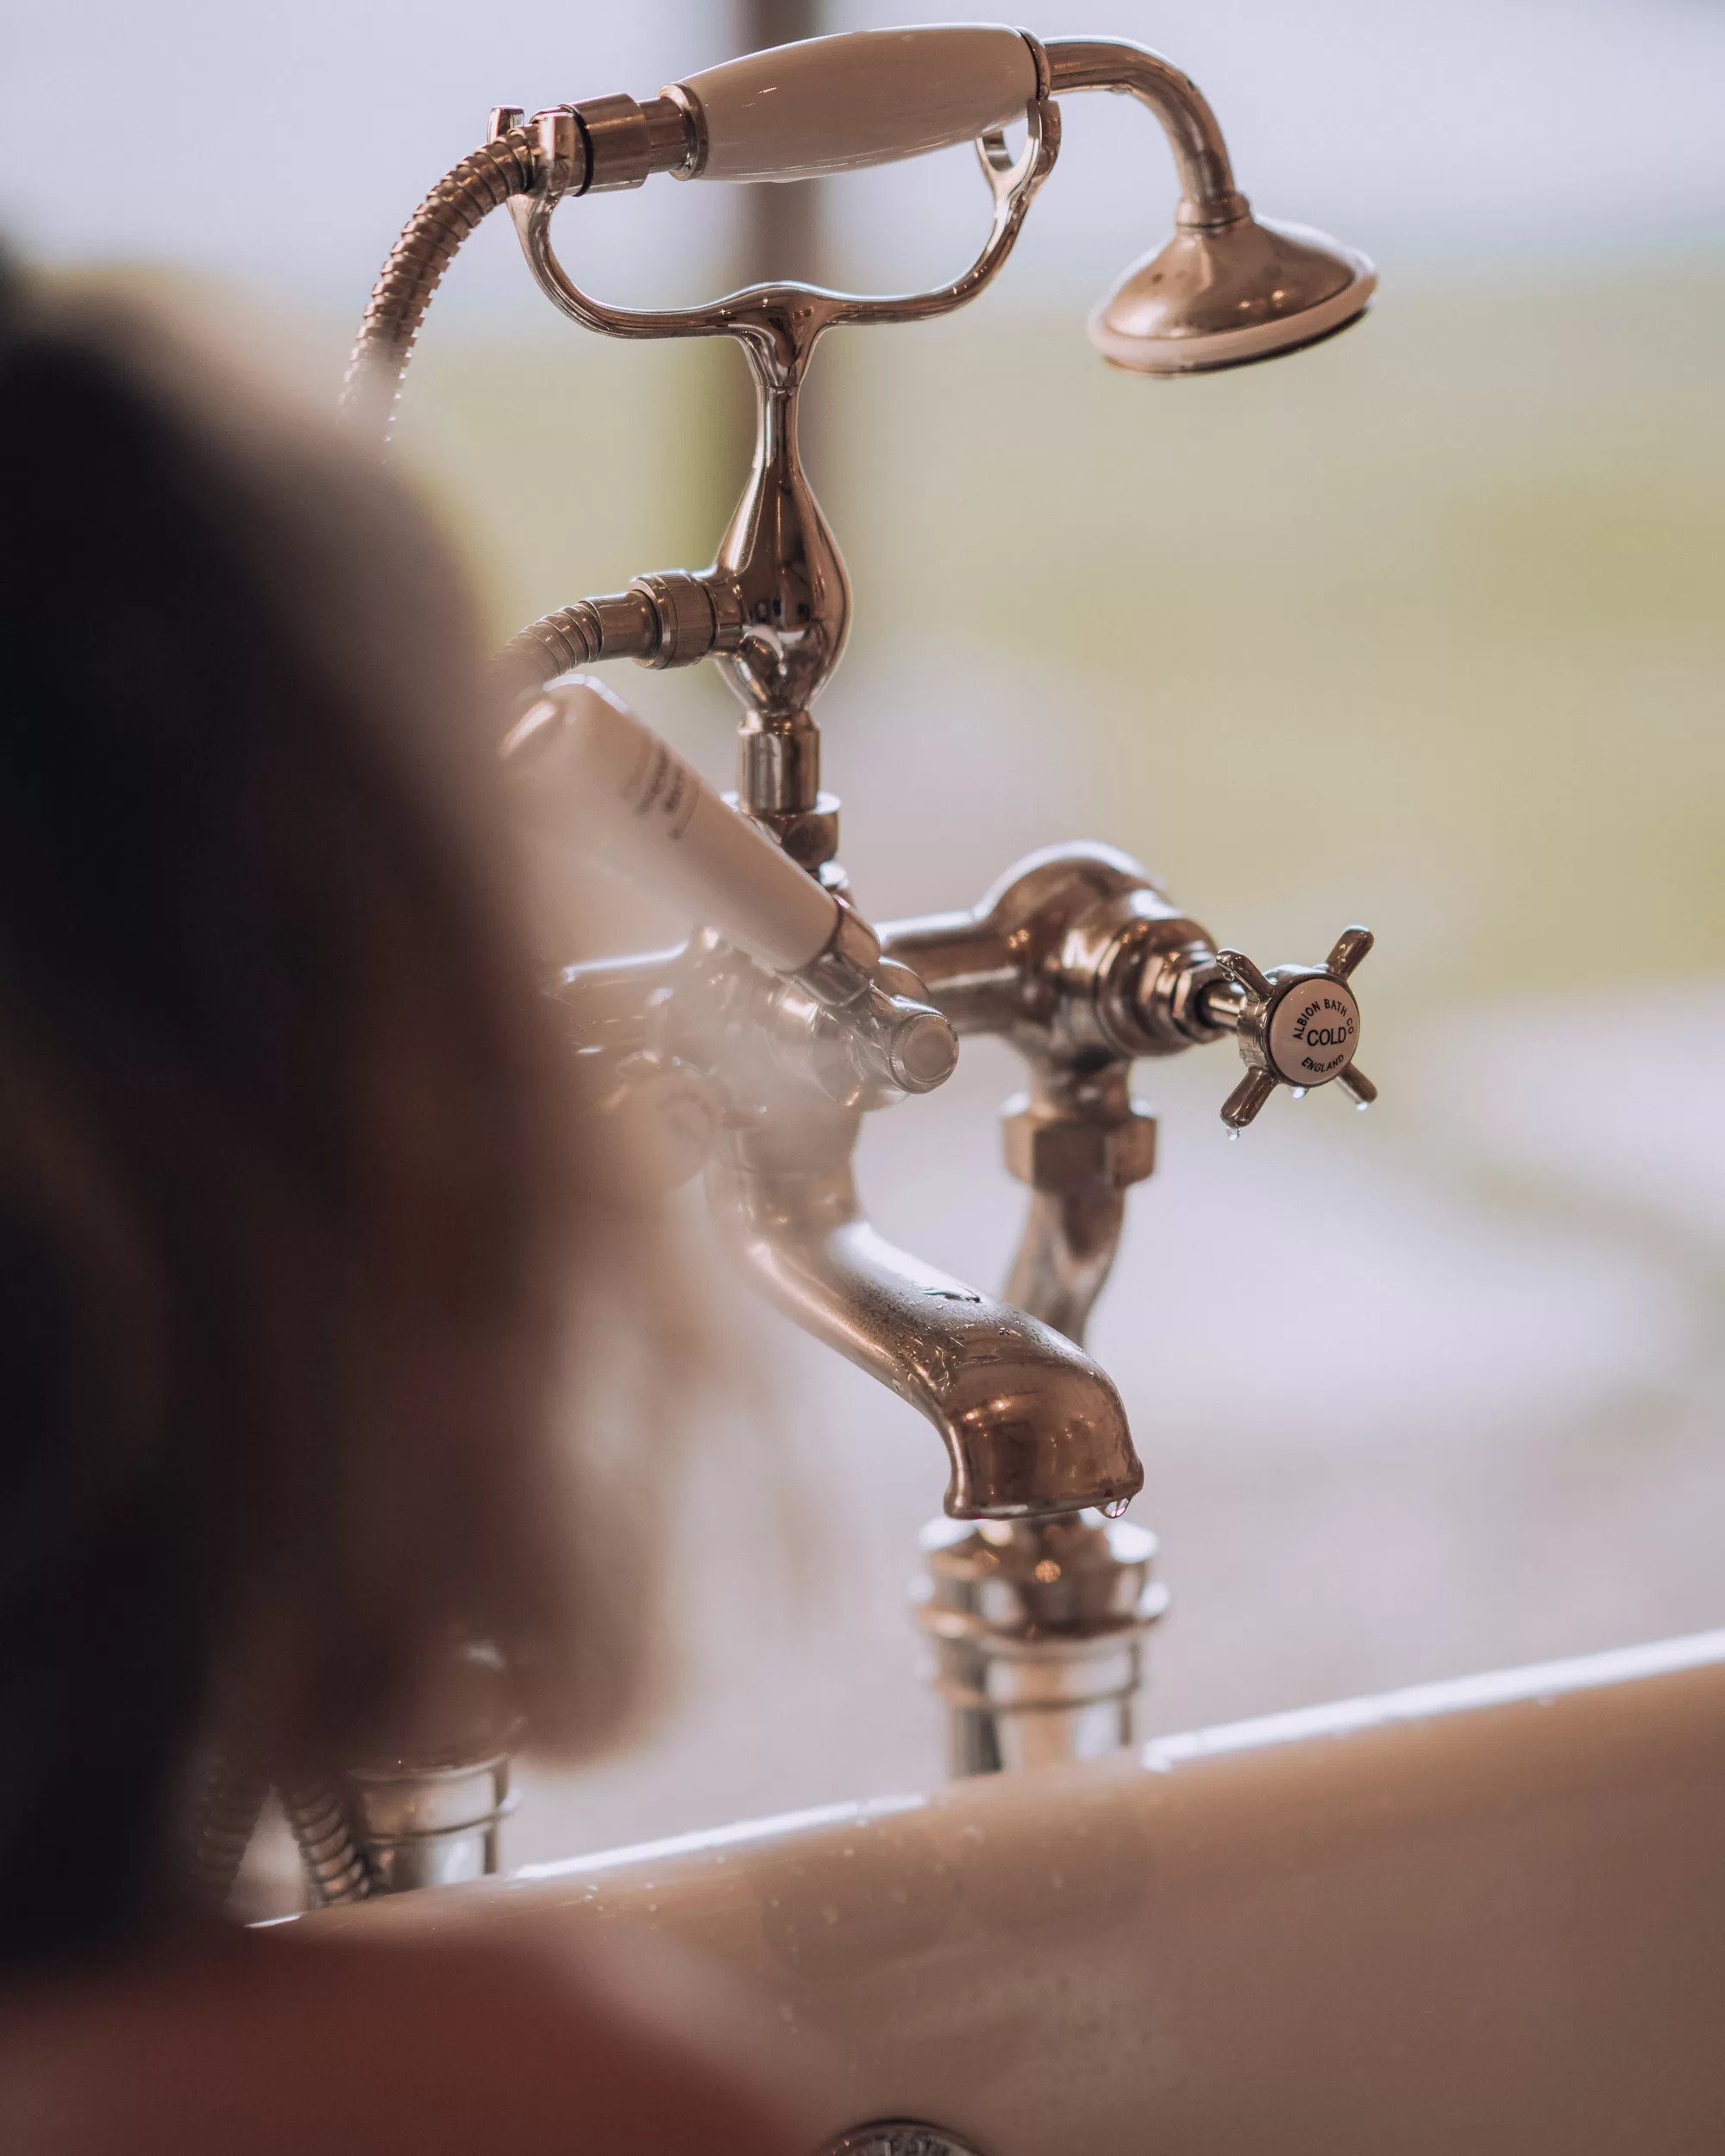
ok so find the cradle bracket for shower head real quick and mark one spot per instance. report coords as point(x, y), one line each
point(773, 611)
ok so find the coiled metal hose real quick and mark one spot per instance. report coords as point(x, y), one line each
point(557, 642)
point(228, 1813)
point(501, 168)
point(335, 1867)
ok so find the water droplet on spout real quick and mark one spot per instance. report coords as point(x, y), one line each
point(1114, 1508)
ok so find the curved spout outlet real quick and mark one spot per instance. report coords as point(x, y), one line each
point(1032, 1426)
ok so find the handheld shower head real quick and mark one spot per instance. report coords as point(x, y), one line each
point(1228, 288)
point(1225, 295)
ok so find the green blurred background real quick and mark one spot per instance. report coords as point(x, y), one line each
point(1433, 612)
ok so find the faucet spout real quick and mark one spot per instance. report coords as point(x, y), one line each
point(1032, 1426)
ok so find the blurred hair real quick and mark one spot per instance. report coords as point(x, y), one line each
point(291, 1223)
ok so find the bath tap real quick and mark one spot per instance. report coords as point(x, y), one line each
point(1078, 959)
point(801, 1022)
point(754, 1050)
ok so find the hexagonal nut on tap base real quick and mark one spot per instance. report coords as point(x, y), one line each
point(1063, 1153)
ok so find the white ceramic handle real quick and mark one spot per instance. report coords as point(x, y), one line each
point(833, 105)
point(591, 764)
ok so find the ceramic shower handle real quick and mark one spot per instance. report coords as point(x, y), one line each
point(584, 758)
point(834, 105)
point(608, 779)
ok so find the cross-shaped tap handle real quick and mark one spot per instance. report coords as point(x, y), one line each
point(1297, 1026)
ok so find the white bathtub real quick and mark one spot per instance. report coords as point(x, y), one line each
point(1473, 1917)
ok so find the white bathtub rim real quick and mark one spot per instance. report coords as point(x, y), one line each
point(1539, 1684)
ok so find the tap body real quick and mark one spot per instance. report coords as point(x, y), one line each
point(1032, 1426)
point(755, 1058)
point(1078, 960)
point(1076, 957)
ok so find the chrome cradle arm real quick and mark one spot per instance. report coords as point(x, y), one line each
point(1207, 192)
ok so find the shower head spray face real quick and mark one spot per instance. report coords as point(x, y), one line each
point(1218, 296)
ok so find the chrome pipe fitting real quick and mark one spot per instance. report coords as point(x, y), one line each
point(604, 145)
point(430, 1824)
point(778, 764)
point(1036, 1636)
point(695, 617)
point(666, 619)
point(619, 143)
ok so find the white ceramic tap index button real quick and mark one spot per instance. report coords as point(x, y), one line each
point(1313, 1031)
point(834, 105)
point(610, 780)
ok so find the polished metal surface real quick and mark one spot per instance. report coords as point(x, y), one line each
point(505, 166)
point(703, 1056)
point(429, 1824)
point(1228, 289)
point(424, 1807)
point(623, 142)
point(1077, 959)
point(1031, 1424)
point(779, 321)
point(1221, 296)
point(334, 1860)
point(1080, 1140)
point(778, 567)
point(1201, 157)
point(1296, 1026)
point(864, 1047)
point(666, 619)
point(229, 1804)
point(1074, 952)
point(1035, 1630)
point(899, 2137)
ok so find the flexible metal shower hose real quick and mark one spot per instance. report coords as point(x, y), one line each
point(228, 1813)
point(335, 1861)
point(487, 178)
